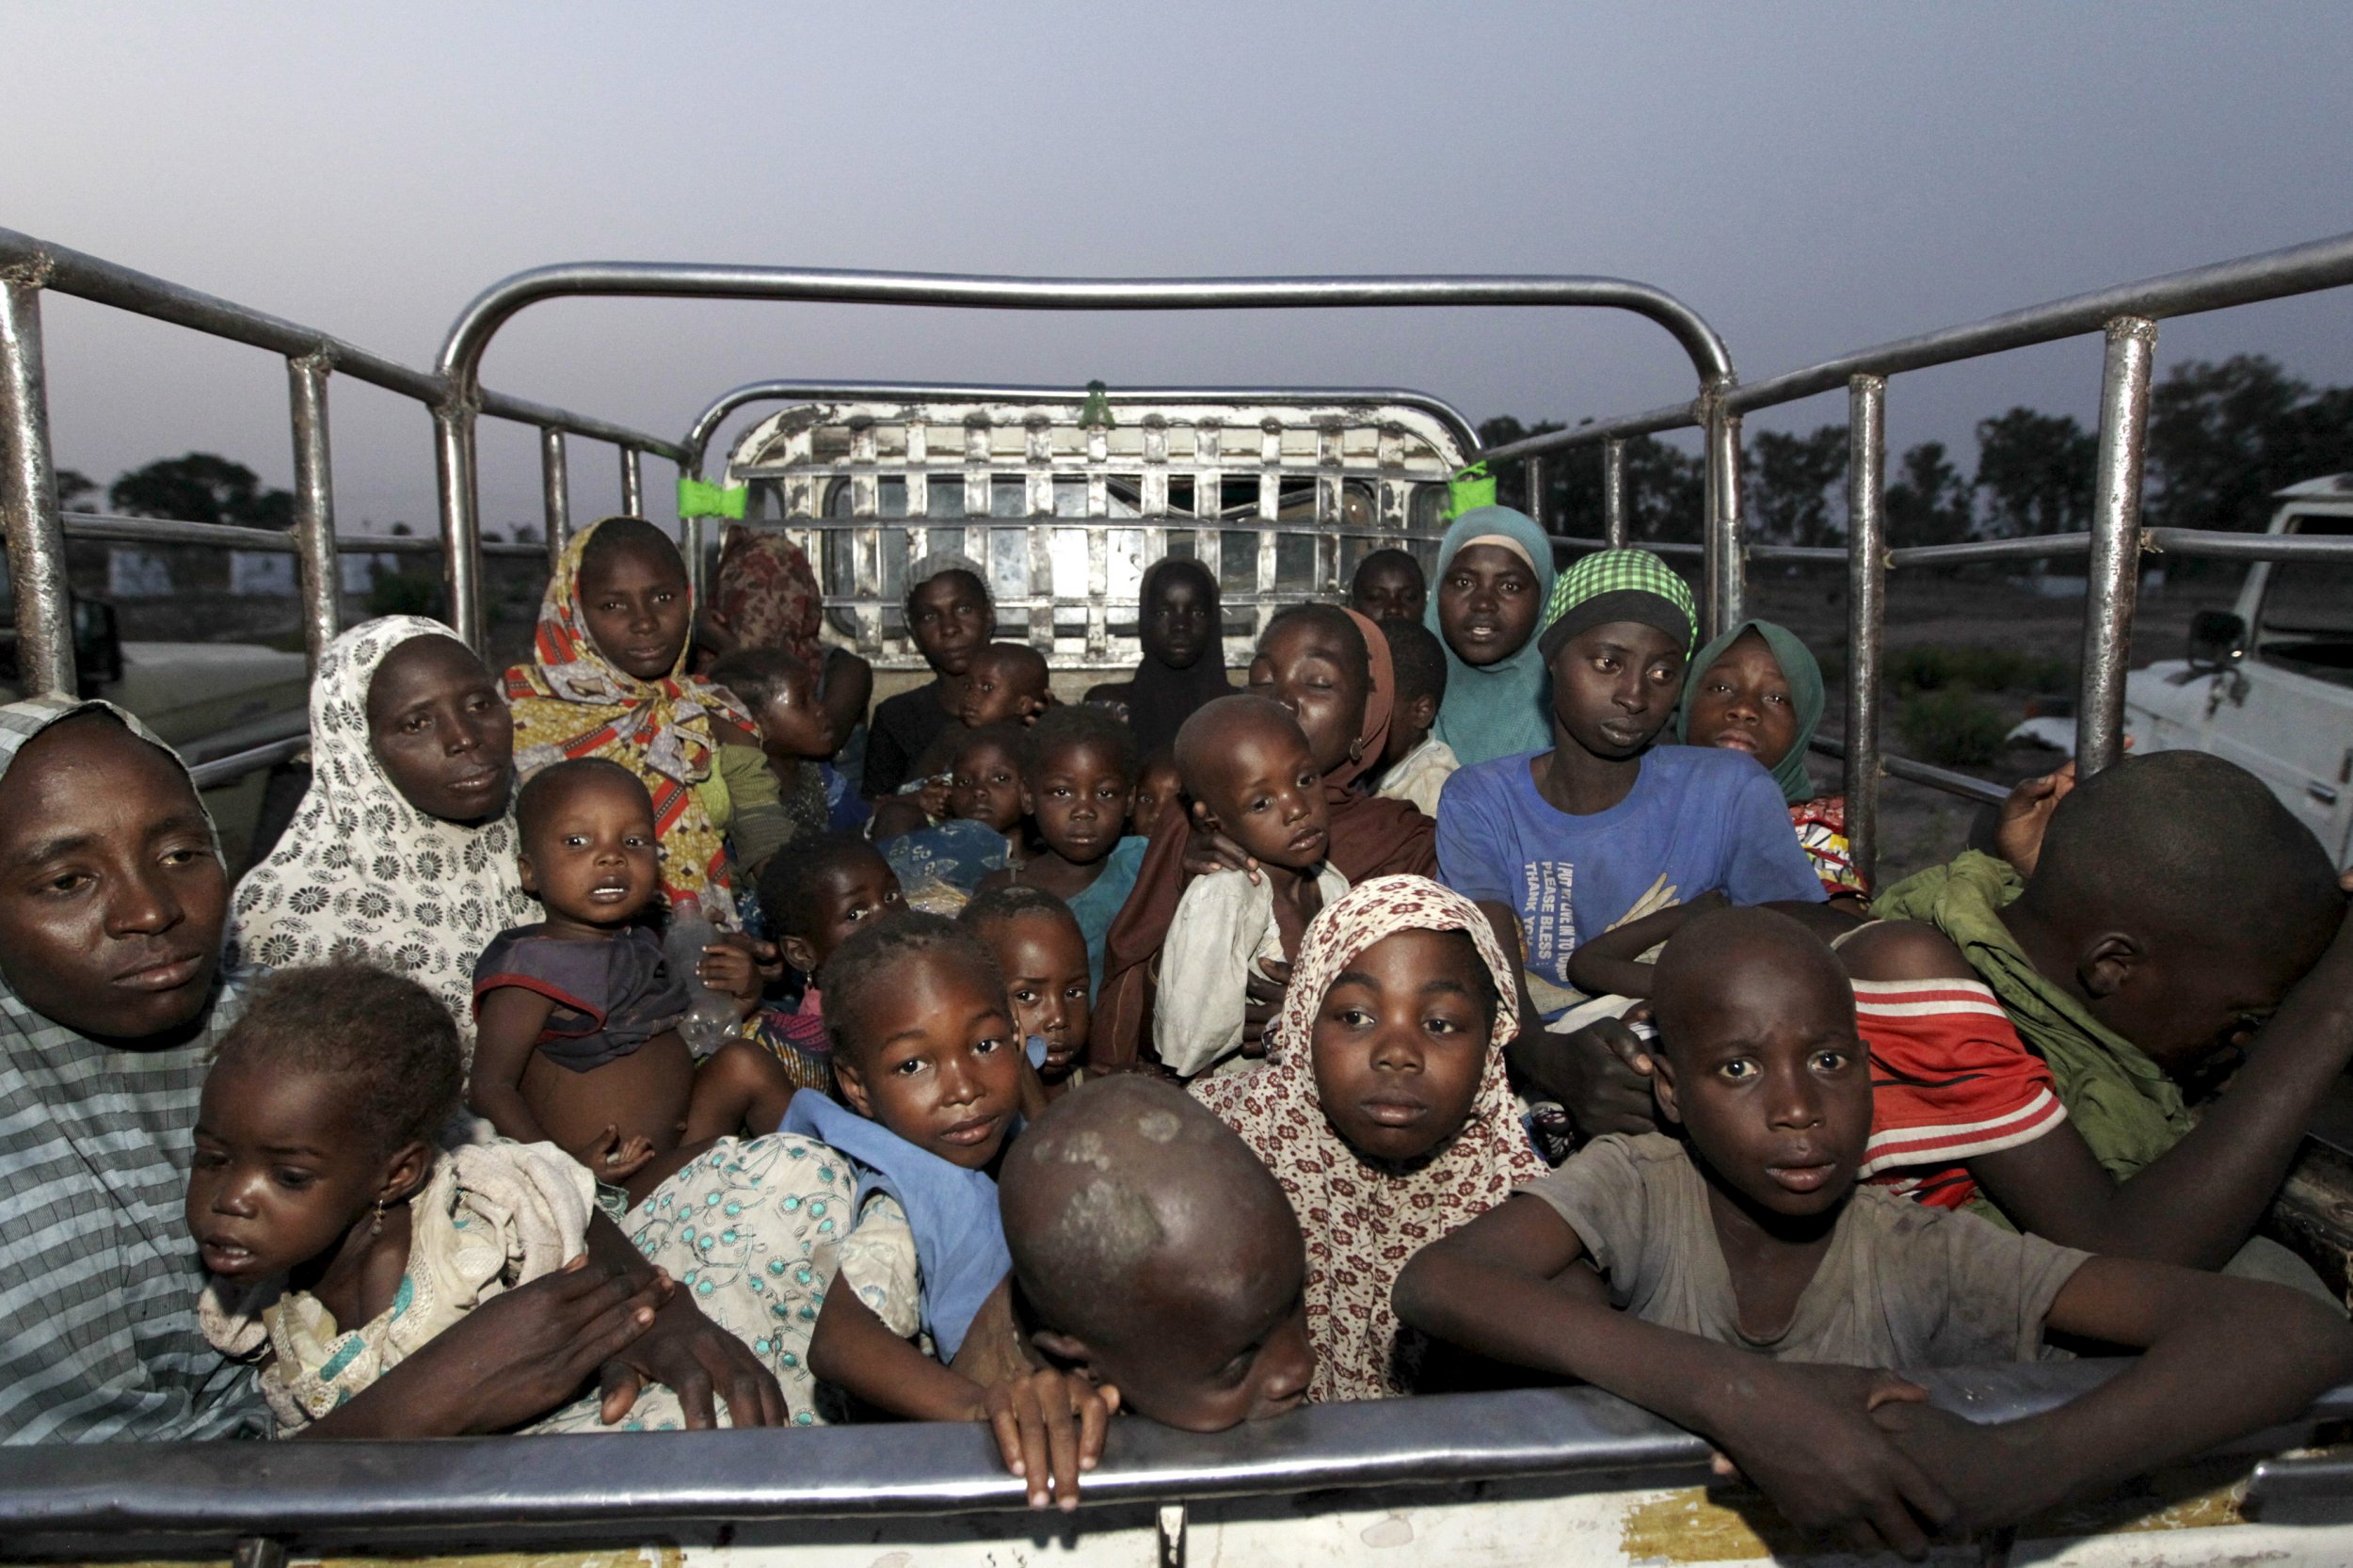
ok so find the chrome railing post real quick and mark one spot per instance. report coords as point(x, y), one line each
point(1724, 575)
point(1867, 613)
point(555, 493)
point(461, 521)
point(1534, 470)
point(1615, 526)
point(2114, 573)
point(314, 504)
point(633, 484)
point(28, 499)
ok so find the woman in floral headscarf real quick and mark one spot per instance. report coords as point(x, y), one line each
point(403, 850)
point(1384, 1110)
point(611, 681)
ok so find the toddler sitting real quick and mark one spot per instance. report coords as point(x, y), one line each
point(1245, 763)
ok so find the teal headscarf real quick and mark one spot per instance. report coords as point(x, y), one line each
point(1806, 697)
point(1497, 709)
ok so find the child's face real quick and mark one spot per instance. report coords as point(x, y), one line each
point(1079, 798)
point(1303, 665)
point(1156, 786)
point(859, 889)
point(792, 725)
point(986, 785)
point(1409, 724)
point(1001, 689)
point(1742, 703)
point(1614, 687)
point(636, 604)
point(950, 621)
point(1401, 1041)
point(1176, 626)
point(1205, 1357)
point(1766, 1076)
point(938, 1060)
point(1391, 590)
point(1487, 604)
point(442, 730)
point(1044, 960)
point(592, 858)
point(1265, 792)
point(279, 1175)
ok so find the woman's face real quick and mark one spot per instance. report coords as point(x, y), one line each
point(1179, 619)
point(1401, 1041)
point(441, 731)
point(1487, 603)
point(950, 619)
point(1742, 703)
point(111, 897)
point(1303, 665)
point(637, 603)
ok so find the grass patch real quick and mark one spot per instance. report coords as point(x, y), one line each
point(1970, 668)
point(1953, 728)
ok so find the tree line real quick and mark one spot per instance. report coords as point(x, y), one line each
point(2223, 437)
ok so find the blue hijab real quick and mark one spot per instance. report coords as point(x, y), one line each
point(1497, 711)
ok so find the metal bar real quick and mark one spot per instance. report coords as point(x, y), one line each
point(1867, 613)
point(2216, 544)
point(314, 506)
point(1615, 523)
point(86, 277)
point(1726, 565)
point(1814, 554)
point(2113, 578)
point(228, 535)
point(229, 769)
point(555, 494)
point(1961, 784)
point(633, 484)
point(2040, 547)
point(1562, 549)
point(28, 499)
point(461, 525)
point(1536, 478)
point(2297, 269)
point(1675, 416)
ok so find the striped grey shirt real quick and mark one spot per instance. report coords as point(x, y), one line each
point(98, 1278)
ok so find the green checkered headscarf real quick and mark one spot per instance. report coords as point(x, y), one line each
point(1619, 584)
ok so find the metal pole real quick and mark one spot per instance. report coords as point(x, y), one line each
point(2114, 573)
point(1534, 470)
point(462, 520)
point(633, 484)
point(1614, 524)
point(1726, 589)
point(315, 505)
point(555, 492)
point(1867, 613)
point(28, 501)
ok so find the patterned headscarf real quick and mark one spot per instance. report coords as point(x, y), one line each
point(362, 873)
point(767, 595)
point(1619, 584)
point(575, 702)
point(1363, 1221)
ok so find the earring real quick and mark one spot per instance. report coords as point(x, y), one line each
point(376, 1226)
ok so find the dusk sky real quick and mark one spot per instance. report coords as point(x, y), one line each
point(1812, 178)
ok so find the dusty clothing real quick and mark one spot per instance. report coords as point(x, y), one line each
point(1363, 1221)
point(1949, 1081)
point(904, 727)
point(99, 1340)
point(1902, 1285)
point(767, 595)
point(1419, 776)
point(612, 995)
point(360, 873)
point(1224, 926)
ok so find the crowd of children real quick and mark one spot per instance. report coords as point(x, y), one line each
point(1418, 1016)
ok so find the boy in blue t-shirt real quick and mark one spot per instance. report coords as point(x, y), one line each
point(1605, 826)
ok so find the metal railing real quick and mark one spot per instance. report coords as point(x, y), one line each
point(2126, 315)
point(36, 532)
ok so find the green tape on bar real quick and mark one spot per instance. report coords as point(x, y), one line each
point(1469, 491)
point(698, 500)
point(1096, 412)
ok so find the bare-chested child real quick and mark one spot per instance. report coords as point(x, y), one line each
point(578, 1043)
point(1152, 1250)
point(1749, 1280)
point(1251, 776)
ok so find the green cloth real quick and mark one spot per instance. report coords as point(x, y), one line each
point(1470, 489)
point(2121, 1102)
point(1805, 695)
point(698, 500)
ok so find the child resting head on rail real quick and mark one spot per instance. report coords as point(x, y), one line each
point(1745, 1281)
point(610, 679)
point(578, 1015)
point(1152, 1252)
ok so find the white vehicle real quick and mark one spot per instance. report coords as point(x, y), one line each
point(2269, 684)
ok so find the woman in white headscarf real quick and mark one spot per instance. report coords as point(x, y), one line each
point(403, 851)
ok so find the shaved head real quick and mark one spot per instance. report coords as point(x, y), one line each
point(1731, 956)
point(1206, 743)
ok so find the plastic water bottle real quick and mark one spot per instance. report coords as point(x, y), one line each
point(710, 1016)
